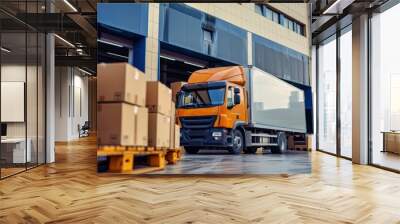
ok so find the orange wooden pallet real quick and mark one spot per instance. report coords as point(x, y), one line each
point(124, 161)
point(128, 148)
point(173, 155)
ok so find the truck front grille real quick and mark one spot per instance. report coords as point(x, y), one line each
point(203, 122)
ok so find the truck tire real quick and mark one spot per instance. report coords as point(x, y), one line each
point(237, 142)
point(250, 150)
point(282, 144)
point(191, 150)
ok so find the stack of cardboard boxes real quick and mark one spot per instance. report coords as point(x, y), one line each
point(122, 115)
point(175, 135)
point(133, 112)
point(159, 104)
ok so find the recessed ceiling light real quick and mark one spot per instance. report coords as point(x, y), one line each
point(109, 43)
point(84, 71)
point(5, 50)
point(168, 58)
point(117, 55)
point(70, 5)
point(64, 40)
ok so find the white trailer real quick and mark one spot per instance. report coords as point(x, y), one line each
point(276, 108)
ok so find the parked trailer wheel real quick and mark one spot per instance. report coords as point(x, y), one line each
point(237, 142)
point(191, 150)
point(282, 144)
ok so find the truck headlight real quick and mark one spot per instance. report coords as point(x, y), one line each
point(216, 134)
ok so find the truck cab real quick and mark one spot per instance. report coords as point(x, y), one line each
point(210, 107)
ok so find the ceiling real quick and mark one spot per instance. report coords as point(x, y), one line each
point(74, 22)
point(328, 16)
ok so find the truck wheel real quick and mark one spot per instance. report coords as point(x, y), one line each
point(250, 150)
point(237, 142)
point(282, 144)
point(191, 150)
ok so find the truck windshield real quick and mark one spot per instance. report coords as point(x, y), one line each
point(201, 98)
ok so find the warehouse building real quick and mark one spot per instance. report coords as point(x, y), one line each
point(342, 53)
point(172, 40)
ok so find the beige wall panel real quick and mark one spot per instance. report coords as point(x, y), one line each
point(244, 16)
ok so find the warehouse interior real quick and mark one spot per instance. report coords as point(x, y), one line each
point(49, 53)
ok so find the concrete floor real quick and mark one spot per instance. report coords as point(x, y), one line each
point(220, 162)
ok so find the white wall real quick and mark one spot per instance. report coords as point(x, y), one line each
point(71, 103)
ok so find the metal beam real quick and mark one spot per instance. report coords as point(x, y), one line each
point(81, 61)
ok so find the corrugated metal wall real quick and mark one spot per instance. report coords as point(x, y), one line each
point(280, 60)
point(183, 26)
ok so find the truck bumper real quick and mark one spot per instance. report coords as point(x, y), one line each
point(205, 138)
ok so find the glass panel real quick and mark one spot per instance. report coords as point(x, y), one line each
point(275, 17)
point(385, 89)
point(31, 98)
point(283, 20)
point(13, 87)
point(346, 94)
point(41, 98)
point(268, 13)
point(327, 96)
point(290, 25)
point(259, 9)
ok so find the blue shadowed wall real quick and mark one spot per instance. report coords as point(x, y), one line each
point(183, 26)
point(127, 21)
point(280, 61)
point(127, 17)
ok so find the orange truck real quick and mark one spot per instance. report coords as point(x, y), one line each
point(239, 109)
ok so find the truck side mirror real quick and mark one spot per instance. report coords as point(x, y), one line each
point(236, 99)
point(177, 97)
point(236, 90)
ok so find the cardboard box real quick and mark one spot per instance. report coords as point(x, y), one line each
point(175, 88)
point(158, 98)
point(141, 126)
point(177, 136)
point(120, 82)
point(115, 122)
point(159, 130)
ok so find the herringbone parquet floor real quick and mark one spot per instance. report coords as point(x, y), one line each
point(70, 191)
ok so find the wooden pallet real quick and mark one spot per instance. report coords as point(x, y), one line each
point(301, 148)
point(124, 161)
point(173, 155)
point(127, 148)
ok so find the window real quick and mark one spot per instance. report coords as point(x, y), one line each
point(229, 97)
point(207, 36)
point(327, 96)
point(268, 13)
point(259, 9)
point(194, 98)
point(385, 89)
point(290, 25)
point(297, 28)
point(275, 17)
point(282, 20)
point(346, 94)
